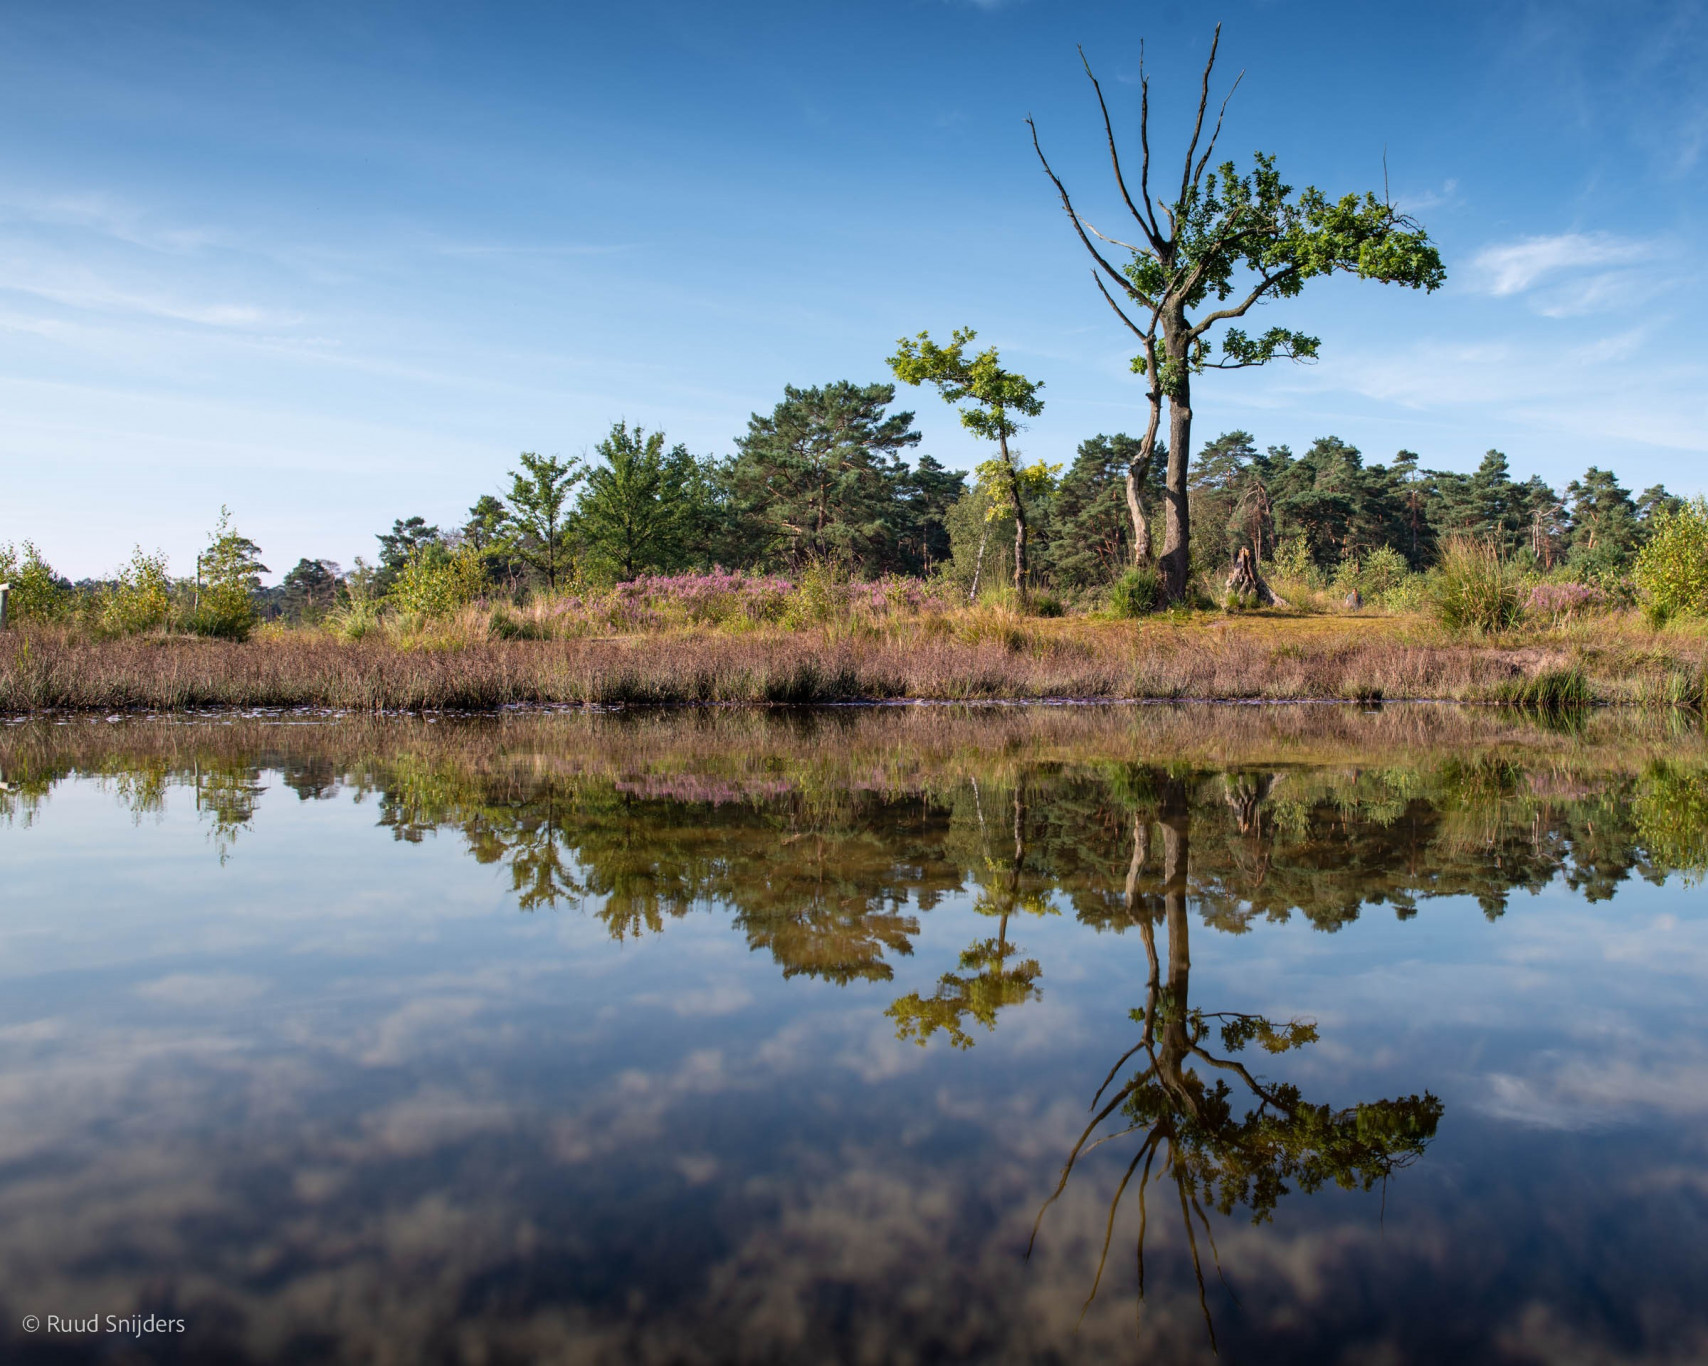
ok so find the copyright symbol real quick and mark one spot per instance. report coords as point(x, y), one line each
point(31, 1323)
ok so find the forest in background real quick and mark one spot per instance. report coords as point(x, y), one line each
point(828, 483)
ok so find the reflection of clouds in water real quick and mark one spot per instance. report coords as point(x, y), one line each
point(1574, 1092)
point(388, 1232)
point(203, 990)
point(1541, 1334)
point(722, 998)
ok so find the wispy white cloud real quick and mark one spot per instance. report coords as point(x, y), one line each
point(105, 216)
point(1571, 274)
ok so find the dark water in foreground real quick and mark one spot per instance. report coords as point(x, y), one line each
point(734, 1038)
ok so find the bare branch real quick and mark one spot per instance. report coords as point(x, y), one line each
point(1073, 215)
point(1198, 127)
point(1145, 139)
point(1104, 289)
point(1112, 241)
point(1114, 1205)
point(1210, 150)
point(1147, 223)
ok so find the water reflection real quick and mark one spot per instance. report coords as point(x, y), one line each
point(1220, 1149)
point(326, 1088)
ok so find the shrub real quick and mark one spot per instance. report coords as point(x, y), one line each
point(1380, 573)
point(1672, 568)
point(502, 626)
point(434, 583)
point(1136, 592)
point(140, 598)
point(225, 612)
point(358, 617)
point(1551, 690)
point(1475, 588)
point(1045, 604)
point(1563, 601)
point(1294, 563)
point(38, 594)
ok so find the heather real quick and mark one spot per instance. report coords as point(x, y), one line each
point(960, 654)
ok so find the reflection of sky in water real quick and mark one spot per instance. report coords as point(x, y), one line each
point(339, 1099)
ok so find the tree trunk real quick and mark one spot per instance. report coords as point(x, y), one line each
point(1019, 518)
point(1138, 472)
point(978, 564)
point(1175, 1039)
point(1246, 582)
point(1177, 524)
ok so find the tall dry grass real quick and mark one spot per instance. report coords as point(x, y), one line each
point(977, 654)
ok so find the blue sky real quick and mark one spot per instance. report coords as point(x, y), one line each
point(333, 264)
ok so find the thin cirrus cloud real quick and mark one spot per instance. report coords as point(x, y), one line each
point(1570, 274)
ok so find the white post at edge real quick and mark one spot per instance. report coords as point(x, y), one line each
point(5, 592)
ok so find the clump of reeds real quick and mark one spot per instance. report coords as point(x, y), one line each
point(1475, 587)
point(1552, 690)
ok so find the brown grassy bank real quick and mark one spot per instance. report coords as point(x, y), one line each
point(980, 657)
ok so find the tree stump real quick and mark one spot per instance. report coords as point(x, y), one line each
point(1246, 583)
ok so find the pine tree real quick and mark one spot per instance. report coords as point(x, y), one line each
point(819, 478)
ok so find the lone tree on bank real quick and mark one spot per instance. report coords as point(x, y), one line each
point(1227, 241)
point(994, 397)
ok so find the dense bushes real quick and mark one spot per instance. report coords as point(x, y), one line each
point(38, 594)
point(1672, 568)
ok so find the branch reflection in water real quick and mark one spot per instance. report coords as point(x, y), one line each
point(1214, 1156)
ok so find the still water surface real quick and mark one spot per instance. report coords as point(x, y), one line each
point(726, 1037)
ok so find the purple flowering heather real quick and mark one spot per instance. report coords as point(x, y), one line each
point(1564, 599)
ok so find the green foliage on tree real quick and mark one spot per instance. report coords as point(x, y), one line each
point(1606, 529)
point(819, 479)
point(537, 529)
point(641, 507)
point(37, 593)
point(1223, 243)
point(994, 401)
point(436, 581)
point(139, 598)
point(1671, 571)
point(406, 537)
point(229, 576)
point(310, 588)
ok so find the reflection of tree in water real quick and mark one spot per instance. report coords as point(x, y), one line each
point(1208, 1126)
point(829, 876)
point(988, 980)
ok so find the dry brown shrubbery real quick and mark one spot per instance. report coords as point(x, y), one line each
point(975, 654)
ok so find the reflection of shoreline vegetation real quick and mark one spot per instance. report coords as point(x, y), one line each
point(878, 814)
point(1213, 1156)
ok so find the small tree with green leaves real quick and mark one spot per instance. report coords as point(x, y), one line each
point(995, 400)
point(636, 511)
point(1672, 567)
point(537, 528)
point(38, 594)
point(228, 576)
point(1224, 243)
point(140, 597)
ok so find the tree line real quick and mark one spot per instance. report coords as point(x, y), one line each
point(822, 479)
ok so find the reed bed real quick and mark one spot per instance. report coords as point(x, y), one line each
point(977, 655)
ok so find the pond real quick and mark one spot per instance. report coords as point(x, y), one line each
point(911, 1034)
